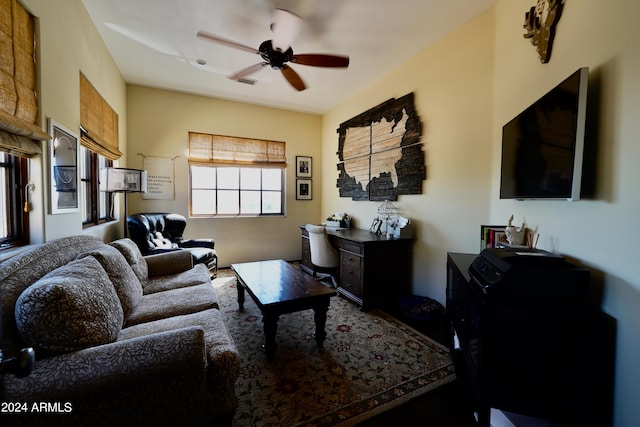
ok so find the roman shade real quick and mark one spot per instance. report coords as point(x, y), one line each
point(19, 134)
point(220, 150)
point(98, 121)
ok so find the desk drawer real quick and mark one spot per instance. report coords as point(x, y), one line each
point(351, 247)
point(351, 273)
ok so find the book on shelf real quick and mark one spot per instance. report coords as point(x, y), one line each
point(492, 236)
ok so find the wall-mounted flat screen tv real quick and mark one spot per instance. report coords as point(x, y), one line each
point(543, 147)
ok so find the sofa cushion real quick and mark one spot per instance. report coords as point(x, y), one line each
point(197, 275)
point(134, 257)
point(174, 302)
point(162, 242)
point(72, 307)
point(125, 282)
point(20, 271)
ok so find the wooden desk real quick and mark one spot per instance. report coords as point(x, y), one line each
point(373, 270)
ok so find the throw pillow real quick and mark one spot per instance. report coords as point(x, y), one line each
point(126, 283)
point(70, 308)
point(161, 242)
point(132, 254)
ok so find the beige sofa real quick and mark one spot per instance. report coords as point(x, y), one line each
point(120, 339)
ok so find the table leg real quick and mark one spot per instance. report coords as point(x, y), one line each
point(320, 318)
point(270, 328)
point(240, 289)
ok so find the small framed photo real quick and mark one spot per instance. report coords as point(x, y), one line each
point(303, 189)
point(303, 167)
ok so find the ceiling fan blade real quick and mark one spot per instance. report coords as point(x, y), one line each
point(213, 38)
point(293, 78)
point(285, 27)
point(320, 60)
point(247, 71)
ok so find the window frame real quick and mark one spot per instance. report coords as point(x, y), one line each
point(90, 186)
point(240, 189)
point(16, 172)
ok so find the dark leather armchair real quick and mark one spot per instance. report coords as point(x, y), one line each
point(162, 232)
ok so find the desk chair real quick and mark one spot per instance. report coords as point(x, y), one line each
point(324, 258)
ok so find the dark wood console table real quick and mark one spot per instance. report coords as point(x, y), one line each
point(373, 269)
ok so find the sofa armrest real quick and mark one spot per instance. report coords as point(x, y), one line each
point(108, 367)
point(198, 243)
point(167, 263)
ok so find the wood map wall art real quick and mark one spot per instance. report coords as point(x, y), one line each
point(380, 152)
point(540, 22)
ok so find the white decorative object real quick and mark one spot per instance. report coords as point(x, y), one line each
point(515, 235)
point(387, 212)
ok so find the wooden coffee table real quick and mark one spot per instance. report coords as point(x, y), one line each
point(279, 288)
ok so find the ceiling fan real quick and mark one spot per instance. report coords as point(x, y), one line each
point(277, 53)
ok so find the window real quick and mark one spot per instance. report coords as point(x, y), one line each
point(99, 147)
point(235, 176)
point(14, 228)
point(98, 205)
point(236, 191)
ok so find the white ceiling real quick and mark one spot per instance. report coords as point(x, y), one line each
point(154, 43)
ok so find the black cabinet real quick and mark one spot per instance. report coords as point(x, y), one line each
point(532, 347)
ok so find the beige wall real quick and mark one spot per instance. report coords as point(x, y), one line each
point(452, 82)
point(601, 233)
point(159, 122)
point(69, 43)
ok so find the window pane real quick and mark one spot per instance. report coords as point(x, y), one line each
point(203, 177)
point(271, 202)
point(203, 202)
point(13, 222)
point(235, 190)
point(4, 208)
point(250, 178)
point(102, 204)
point(104, 199)
point(85, 182)
point(228, 202)
point(86, 210)
point(229, 178)
point(250, 202)
point(272, 179)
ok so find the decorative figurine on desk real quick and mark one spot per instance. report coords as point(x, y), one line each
point(515, 235)
point(386, 212)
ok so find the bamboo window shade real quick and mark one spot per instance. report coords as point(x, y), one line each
point(220, 150)
point(99, 122)
point(18, 101)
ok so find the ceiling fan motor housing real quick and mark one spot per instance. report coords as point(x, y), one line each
point(275, 58)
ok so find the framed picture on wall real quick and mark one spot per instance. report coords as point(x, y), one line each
point(63, 174)
point(303, 189)
point(303, 167)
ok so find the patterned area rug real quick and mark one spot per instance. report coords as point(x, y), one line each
point(370, 363)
